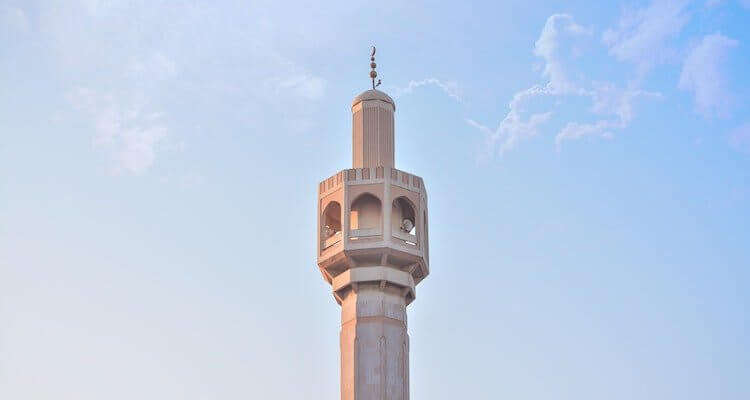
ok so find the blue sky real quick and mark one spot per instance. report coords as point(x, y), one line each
point(588, 166)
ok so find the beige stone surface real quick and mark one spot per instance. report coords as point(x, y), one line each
point(373, 130)
point(373, 249)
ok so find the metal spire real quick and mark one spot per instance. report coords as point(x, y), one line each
point(373, 73)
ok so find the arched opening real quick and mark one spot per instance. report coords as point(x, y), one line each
point(330, 229)
point(365, 218)
point(403, 220)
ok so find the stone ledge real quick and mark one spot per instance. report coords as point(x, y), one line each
point(373, 274)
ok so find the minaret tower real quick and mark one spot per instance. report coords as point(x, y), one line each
point(373, 250)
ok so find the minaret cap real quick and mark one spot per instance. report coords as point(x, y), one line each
point(373, 94)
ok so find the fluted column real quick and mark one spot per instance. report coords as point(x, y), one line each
point(373, 130)
point(374, 344)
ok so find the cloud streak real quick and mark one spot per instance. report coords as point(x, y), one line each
point(514, 128)
point(639, 39)
point(451, 89)
point(703, 74)
point(557, 46)
point(641, 35)
point(129, 91)
point(131, 136)
point(302, 85)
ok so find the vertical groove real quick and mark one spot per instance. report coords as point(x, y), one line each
point(405, 371)
point(370, 136)
point(393, 139)
point(357, 140)
point(383, 369)
point(373, 141)
point(355, 390)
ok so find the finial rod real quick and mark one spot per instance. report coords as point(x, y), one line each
point(373, 73)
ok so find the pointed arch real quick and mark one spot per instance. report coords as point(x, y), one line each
point(330, 225)
point(404, 220)
point(366, 216)
point(403, 216)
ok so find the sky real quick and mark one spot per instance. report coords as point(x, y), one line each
point(587, 163)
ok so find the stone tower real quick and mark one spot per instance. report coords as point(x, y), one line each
point(373, 250)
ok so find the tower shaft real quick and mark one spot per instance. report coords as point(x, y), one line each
point(374, 344)
point(372, 130)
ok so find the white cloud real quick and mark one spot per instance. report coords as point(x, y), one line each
point(557, 45)
point(511, 131)
point(514, 128)
point(739, 138)
point(703, 75)
point(303, 85)
point(141, 76)
point(450, 88)
point(548, 46)
point(117, 77)
point(131, 136)
point(575, 130)
point(608, 99)
point(640, 36)
point(618, 104)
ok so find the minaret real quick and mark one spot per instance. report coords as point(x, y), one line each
point(373, 250)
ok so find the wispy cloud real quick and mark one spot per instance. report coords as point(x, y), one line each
point(642, 34)
point(641, 38)
point(703, 74)
point(178, 50)
point(558, 45)
point(549, 46)
point(609, 100)
point(119, 90)
point(449, 88)
point(132, 136)
point(576, 130)
point(514, 128)
point(303, 85)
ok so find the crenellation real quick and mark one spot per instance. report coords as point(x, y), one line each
point(372, 174)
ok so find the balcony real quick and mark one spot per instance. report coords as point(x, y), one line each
point(335, 238)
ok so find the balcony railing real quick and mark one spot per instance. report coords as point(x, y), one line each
point(335, 238)
point(408, 238)
point(364, 232)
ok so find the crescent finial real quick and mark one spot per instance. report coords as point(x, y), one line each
point(373, 74)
